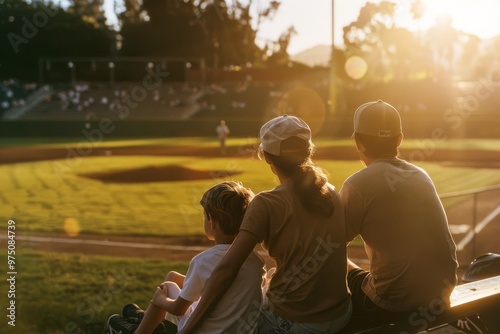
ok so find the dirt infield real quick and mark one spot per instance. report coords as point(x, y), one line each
point(169, 173)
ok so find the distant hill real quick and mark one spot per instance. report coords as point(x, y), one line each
point(318, 55)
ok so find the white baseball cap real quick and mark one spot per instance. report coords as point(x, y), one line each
point(280, 128)
point(377, 119)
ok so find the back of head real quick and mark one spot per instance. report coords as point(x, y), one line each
point(226, 203)
point(286, 143)
point(377, 125)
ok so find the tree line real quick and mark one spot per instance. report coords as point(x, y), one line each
point(224, 33)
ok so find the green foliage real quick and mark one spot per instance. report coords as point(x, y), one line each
point(38, 30)
point(394, 53)
point(218, 31)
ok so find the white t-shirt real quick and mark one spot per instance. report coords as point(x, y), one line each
point(222, 131)
point(238, 311)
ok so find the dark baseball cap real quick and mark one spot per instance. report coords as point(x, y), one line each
point(377, 119)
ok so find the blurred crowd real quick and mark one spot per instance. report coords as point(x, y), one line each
point(13, 93)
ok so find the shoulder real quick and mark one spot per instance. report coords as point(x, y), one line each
point(358, 176)
point(265, 196)
point(272, 199)
point(210, 254)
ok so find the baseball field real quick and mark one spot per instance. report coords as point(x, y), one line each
point(148, 192)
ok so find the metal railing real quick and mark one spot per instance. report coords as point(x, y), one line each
point(476, 226)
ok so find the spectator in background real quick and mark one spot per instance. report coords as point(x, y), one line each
point(222, 132)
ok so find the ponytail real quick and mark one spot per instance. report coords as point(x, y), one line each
point(310, 184)
point(309, 180)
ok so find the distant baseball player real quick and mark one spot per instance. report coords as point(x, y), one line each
point(222, 132)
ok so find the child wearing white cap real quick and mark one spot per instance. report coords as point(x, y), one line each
point(301, 224)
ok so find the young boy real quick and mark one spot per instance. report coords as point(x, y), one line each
point(224, 206)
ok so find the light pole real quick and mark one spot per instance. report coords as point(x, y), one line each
point(333, 86)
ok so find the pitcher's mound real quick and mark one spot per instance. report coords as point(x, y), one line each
point(167, 173)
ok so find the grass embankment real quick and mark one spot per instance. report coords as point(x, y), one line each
point(61, 293)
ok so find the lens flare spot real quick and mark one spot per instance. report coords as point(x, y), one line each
point(71, 227)
point(356, 67)
point(306, 104)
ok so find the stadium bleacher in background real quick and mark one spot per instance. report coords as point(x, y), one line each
point(13, 94)
point(89, 101)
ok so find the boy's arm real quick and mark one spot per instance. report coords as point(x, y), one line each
point(221, 279)
point(175, 277)
point(176, 306)
point(160, 304)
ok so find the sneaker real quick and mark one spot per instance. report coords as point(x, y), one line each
point(119, 325)
point(133, 311)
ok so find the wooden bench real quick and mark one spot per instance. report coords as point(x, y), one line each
point(466, 300)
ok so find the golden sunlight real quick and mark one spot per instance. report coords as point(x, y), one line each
point(71, 227)
point(469, 16)
point(356, 67)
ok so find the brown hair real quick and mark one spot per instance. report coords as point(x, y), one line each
point(309, 180)
point(378, 147)
point(226, 203)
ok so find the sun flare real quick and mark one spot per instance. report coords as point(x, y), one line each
point(465, 15)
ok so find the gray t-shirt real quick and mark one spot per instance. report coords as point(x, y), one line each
point(395, 208)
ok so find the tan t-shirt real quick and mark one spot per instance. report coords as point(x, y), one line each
point(394, 206)
point(310, 251)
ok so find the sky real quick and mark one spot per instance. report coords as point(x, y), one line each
point(312, 19)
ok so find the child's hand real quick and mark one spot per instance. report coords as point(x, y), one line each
point(160, 296)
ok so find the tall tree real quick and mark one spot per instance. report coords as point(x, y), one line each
point(280, 55)
point(91, 11)
point(222, 33)
point(391, 52)
point(129, 12)
point(35, 30)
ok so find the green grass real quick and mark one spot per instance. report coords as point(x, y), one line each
point(61, 293)
point(63, 142)
point(42, 195)
point(453, 144)
point(424, 144)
